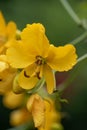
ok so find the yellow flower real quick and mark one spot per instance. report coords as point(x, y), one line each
point(36, 107)
point(43, 112)
point(12, 100)
point(19, 116)
point(52, 117)
point(7, 75)
point(7, 32)
point(38, 58)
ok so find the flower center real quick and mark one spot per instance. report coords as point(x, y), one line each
point(40, 60)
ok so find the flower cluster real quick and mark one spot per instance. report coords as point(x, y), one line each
point(27, 61)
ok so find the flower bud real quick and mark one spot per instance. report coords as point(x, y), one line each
point(36, 106)
point(12, 100)
point(19, 117)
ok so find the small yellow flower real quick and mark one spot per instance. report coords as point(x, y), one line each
point(43, 112)
point(52, 117)
point(6, 80)
point(38, 58)
point(19, 116)
point(12, 100)
point(7, 75)
point(36, 107)
point(7, 32)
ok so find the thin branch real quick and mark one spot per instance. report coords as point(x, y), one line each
point(79, 39)
point(82, 58)
point(72, 13)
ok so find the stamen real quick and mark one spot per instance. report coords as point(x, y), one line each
point(38, 75)
point(40, 60)
point(38, 57)
point(0, 79)
point(25, 74)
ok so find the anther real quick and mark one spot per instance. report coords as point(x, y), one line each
point(25, 74)
point(38, 75)
point(0, 79)
point(39, 60)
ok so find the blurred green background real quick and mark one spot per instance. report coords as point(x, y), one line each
point(60, 29)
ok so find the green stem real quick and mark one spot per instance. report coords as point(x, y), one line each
point(79, 22)
point(79, 39)
point(72, 76)
point(82, 58)
point(70, 11)
point(72, 14)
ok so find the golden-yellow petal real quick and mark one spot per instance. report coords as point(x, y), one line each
point(3, 58)
point(37, 109)
point(3, 66)
point(27, 83)
point(2, 25)
point(19, 56)
point(49, 77)
point(3, 63)
point(11, 30)
point(62, 58)
point(25, 80)
point(34, 35)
